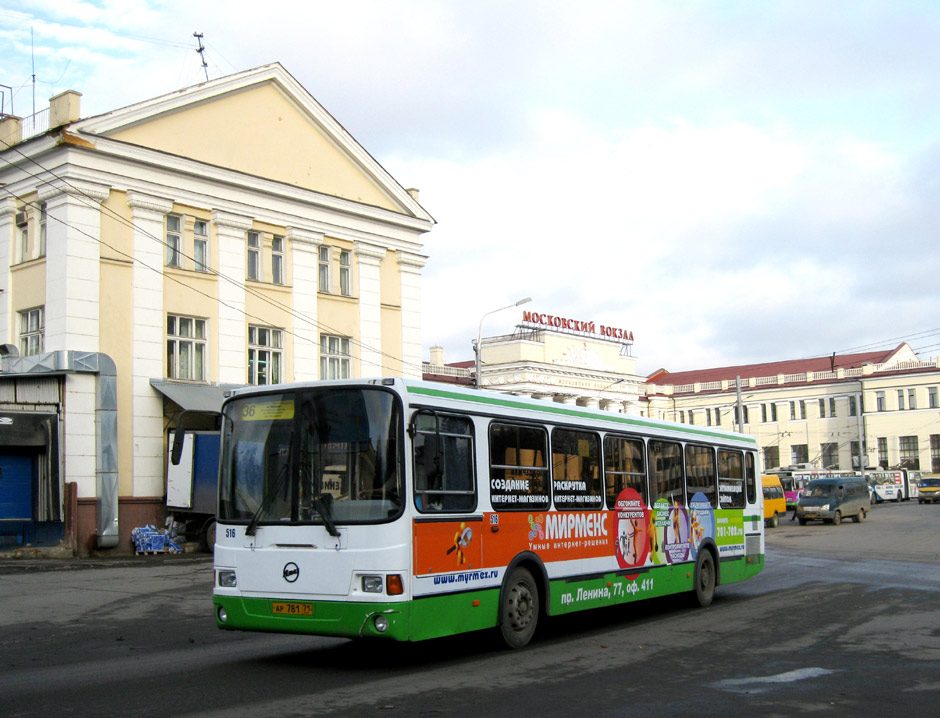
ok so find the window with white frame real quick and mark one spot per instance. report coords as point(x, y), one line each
point(880, 401)
point(933, 401)
point(254, 256)
point(901, 399)
point(201, 245)
point(334, 357)
point(32, 331)
point(43, 215)
point(853, 409)
point(264, 355)
point(911, 398)
point(22, 232)
point(799, 454)
point(186, 348)
point(174, 239)
point(345, 273)
point(277, 259)
point(324, 284)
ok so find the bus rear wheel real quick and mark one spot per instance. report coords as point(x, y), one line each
point(705, 579)
point(519, 609)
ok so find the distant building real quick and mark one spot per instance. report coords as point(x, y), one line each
point(828, 411)
point(566, 361)
point(230, 233)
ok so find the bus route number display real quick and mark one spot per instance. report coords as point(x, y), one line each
point(276, 410)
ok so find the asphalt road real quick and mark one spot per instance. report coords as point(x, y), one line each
point(843, 621)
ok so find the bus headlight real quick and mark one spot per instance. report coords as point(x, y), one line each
point(223, 616)
point(227, 579)
point(372, 584)
point(824, 507)
point(380, 623)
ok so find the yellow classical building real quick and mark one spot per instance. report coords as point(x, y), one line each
point(230, 233)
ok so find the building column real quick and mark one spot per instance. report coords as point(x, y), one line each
point(369, 257)
point(589, 402)
point(73, 264)
point(8, 328)
point(304, 246)
point(72, 312)
point(409, 271)
point(148, 333)
point(612, 405)
point(232, 331)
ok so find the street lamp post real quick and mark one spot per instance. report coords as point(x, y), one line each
point(480, 333)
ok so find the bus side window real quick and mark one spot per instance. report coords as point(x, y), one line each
point(666, 475)
point(731, 479)
point(750, 478)
point(443, 463)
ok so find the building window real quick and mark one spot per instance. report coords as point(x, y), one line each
point(691, 416)
point(174, 257)
point(799, 454)
point(264, 355)
point(324, 266)
point(911, 398)
point(802, 409)
point(879, 400)
point(201, 245)
point(254, 256)
point(22, 233)
point(830, 455)
point(345, 274)
point(32, 331)
point(832, 406)
point(334, 357)
point(853, 408)
point(763, 413)
point(771, 457)
point(792, 411)
point(277, 260)
point(822, 408)
point(932, 399)
point(773, 412)
point(186, 348)
point(935, 453)
point(910, 454)
point(855, 451)
point(901, 399)
point(883, 452)
point(43, 215)
point(717, 416)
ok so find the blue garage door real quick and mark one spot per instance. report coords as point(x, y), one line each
point(16, 487)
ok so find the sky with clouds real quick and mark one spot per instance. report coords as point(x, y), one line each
point(733, 181)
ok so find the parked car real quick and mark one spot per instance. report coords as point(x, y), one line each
point(929, 490)
point(831, 500)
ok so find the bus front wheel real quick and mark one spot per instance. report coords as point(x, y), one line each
point(519, 609)
point(705, 579)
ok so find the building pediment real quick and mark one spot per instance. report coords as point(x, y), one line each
point(264, 123)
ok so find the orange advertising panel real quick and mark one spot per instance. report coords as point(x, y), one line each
point(553, 535)
point(444, 546)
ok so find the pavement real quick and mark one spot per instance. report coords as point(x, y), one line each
point(28, 559)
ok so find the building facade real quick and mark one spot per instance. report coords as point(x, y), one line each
point(829, 411)
point(568, 361)
point(230, 233)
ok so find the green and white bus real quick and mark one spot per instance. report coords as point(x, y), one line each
point(411, 510)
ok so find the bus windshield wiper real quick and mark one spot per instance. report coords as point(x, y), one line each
point(323, 503)
point(266, 502)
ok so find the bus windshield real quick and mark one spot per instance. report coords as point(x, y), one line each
point(326, 456)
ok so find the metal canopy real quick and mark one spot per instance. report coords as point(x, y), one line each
point(192, 397)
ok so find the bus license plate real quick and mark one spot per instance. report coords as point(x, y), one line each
point(281, 608)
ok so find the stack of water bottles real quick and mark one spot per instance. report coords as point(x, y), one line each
point(147, 539)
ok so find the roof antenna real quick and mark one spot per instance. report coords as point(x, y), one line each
point(201, 50)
